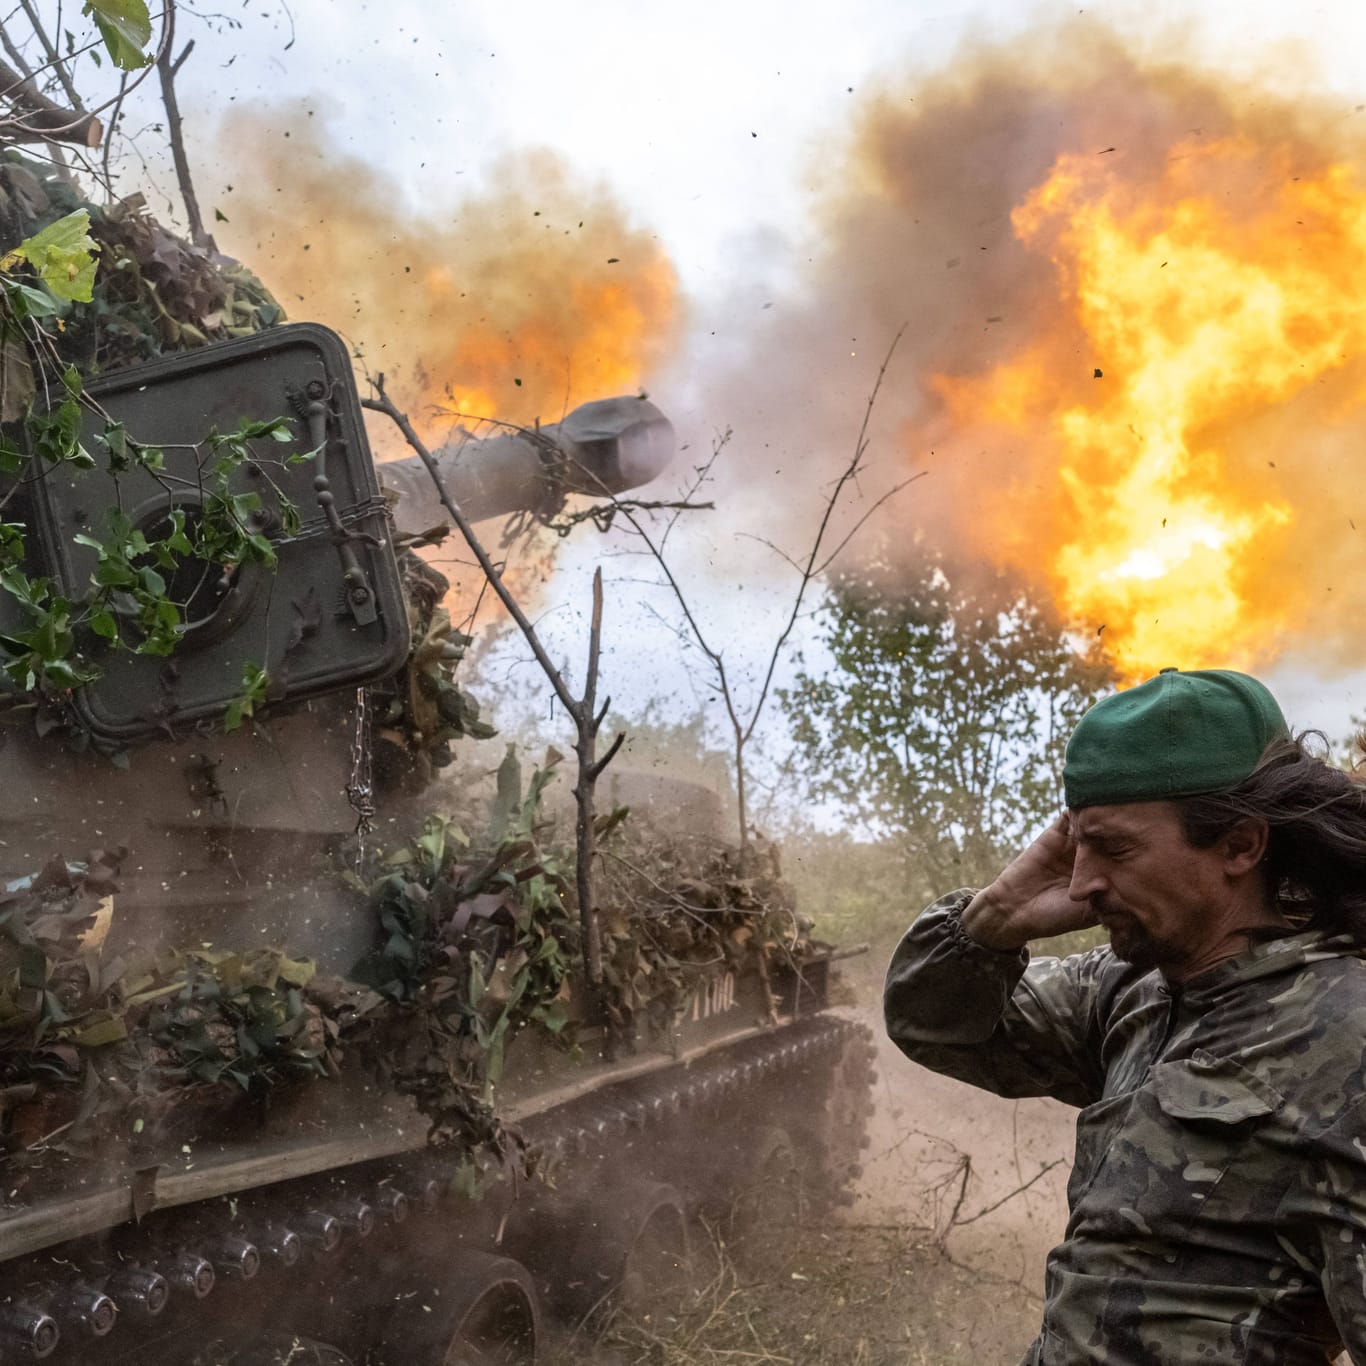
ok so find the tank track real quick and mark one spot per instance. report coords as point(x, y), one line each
point(186, 1282)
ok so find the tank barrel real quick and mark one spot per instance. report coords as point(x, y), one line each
point(604, 447)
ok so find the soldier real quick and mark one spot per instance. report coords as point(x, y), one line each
point(1216, 1047)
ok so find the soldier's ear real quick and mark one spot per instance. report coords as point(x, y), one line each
point(1244, 846)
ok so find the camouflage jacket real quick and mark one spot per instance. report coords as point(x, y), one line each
point(1218, 1195)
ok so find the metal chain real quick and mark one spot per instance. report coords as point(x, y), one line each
point(360, 790)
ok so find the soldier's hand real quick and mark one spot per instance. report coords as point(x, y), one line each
point(1030, 899)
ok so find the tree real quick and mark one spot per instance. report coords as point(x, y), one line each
point(942, 718)
point(809, 565)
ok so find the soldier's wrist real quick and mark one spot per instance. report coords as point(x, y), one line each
point(987, 921)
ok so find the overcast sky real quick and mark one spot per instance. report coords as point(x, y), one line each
point(709, 118)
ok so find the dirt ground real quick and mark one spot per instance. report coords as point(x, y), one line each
point(937, 1262)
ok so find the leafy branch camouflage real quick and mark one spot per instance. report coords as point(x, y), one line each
point(119, 1045)
point(153, 293)
point(423, 709)
point(477, 945)
point(675, 912)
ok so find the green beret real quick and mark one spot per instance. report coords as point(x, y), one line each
point(1177, 735)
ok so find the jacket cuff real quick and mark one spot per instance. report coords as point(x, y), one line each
point(962, 942)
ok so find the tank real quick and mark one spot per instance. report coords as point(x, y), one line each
point(287, 1071)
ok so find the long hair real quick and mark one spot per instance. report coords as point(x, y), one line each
point(1315, 865)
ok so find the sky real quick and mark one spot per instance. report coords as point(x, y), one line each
point(710, 119)
point(720, 128)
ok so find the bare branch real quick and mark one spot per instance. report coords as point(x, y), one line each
point(581, 710)
point(589, 768)
point(965, 1167)
point(854, 530)
point(15, 55)
point(610, 755)
point(1019, 1190)
point(603, 514)
point(180, 61)
point(175, 133)
point(47, 121)
point(778, 551)
point(384, 404)
point(810, 568)
point(851, 470)
point(54, 60)
point(109, 137)
point(703, 472)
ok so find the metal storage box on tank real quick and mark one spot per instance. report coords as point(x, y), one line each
point(329, 614)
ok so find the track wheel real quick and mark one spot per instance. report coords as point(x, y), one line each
point(624, 1245)
point(467, 1308)
point(770, 1192)
point(654, 1268)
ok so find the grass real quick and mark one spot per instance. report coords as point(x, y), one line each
point(819, 1295)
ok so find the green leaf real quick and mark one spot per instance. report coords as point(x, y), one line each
point(28, 302)
point(63, 254)
point(176, 539)
point(56, 435)
point(467, 1181)
point(114, 439)
point(553, 1017)
point(255, 681)
point(126, 28)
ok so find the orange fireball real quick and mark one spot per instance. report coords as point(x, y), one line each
point(1195, 301)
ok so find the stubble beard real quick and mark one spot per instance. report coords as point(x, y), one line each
point(1129, 941)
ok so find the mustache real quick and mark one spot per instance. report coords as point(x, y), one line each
point(1104, 906)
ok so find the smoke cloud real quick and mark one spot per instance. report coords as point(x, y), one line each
point(515, 302)
point(1043, 394)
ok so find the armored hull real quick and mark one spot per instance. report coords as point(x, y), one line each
point(330, 1220)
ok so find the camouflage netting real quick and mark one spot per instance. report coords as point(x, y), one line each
point(154, 292)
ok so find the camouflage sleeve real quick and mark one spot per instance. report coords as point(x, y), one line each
point(1325, 1223)
point(996, 1020)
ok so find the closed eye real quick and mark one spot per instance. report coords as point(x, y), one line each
point(1111, 849)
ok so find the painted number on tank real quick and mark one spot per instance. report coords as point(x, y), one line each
point(714, 997)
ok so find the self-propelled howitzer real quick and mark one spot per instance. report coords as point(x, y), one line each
point(179, 927)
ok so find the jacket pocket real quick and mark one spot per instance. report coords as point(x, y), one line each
point(1186, 1126)
point(1206, 1090)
